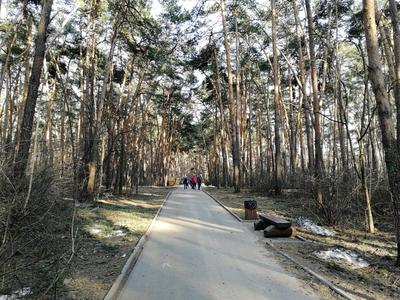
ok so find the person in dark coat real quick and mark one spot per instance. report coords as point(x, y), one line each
point(199, 182)
point(185, 182)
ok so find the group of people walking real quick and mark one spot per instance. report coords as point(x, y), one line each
point(194, 181)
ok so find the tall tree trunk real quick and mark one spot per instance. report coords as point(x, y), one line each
point(278, 122)
point(250, 148)
point(86, 177)
point(305, 105)
point(34, 82)
point(122, 149)
point(223, 126)
point(341, 115)
point(396, 50)
point(141, 149)
point(316, 107)
point(260, 145)
point(238, 106)
point(109, 157)
point(387, 50)
point(363, 171)
point(62, 137)
point(388, 131)
point(293, 130)
point(231, 104)
point(88, 174)
point(27, 72)
point(218, 126)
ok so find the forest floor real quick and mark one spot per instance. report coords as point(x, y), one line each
point(109, 231)
point(378, 280)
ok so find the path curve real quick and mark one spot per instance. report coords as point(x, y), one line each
point(198, 251)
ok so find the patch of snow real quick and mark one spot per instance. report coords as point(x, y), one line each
point(23, 292)
point(150, 194)
point(314, 228)
point(95, 230)
point(343, 255)
point(17, 294)
point(116, 233)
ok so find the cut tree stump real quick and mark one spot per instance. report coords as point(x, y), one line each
point(250, 204)
point(250, 209)
point(272, 231)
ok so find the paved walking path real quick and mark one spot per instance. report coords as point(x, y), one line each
point(198, 251)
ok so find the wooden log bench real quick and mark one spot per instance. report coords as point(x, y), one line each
point(274, 226)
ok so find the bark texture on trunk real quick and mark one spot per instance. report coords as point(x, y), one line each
point(22, 155)
point(278, 122)
point(388, 131)
point(316, 106)
point(396, 50)
point(231, 105)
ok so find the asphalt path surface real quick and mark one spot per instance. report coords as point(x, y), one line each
point(197, 250)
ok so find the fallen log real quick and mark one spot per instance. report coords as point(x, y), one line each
point(260, 224)
point(272, 231)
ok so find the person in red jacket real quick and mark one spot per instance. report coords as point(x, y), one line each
point(194, 182)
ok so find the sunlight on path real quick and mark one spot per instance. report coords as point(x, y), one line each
point(198, 251)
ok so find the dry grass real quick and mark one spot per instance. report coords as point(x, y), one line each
point(34, 231)
point(234, 201)
point(381, 280)
point(101, 255)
